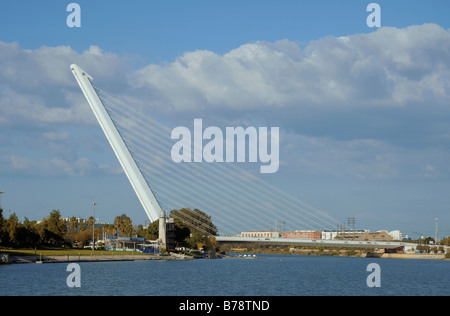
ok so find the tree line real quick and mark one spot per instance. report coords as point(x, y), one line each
point(54, 231)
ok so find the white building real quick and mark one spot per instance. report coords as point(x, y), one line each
point(396, 235)
point(266, 234)
point(330, 234)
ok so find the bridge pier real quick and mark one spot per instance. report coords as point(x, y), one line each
point(162, 229)
point(166, 234)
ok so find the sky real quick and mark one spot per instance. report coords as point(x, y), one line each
point(363, 112)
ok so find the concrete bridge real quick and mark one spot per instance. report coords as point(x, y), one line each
point(316, 242)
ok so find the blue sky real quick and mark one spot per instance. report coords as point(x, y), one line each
point(162, 30)
point(373, 144)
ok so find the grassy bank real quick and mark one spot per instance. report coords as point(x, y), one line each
point(48, 252)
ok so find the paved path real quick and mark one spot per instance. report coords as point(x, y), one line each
point(89, 258)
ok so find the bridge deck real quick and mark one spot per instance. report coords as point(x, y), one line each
point(317, 243)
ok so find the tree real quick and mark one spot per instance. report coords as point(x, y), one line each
point(196, 220)
point(110, 229)
point(195, 239)
point(91, 221)
point(2, 225)
point(28, 234)
point(445, 241)
point(182, 233)
point(55, 224)
point(83, 237)
point(53, 228)
point(128, 226)
point(423, 248)
point(12, 227)
point(153, 230)
point(71, 232)
point(83, 226)
point(429, 241)
point(124, 225)
point(144, 232)
point(212, 243)
point(73, 223)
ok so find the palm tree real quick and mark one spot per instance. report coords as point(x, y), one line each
point(117, 224)
point(91, 221)
point(128, 227)
point(112, 229)
point(124, 225)
point(73, 223)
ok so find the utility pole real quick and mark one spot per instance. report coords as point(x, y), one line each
point(351, 222)
point(436, 235)
point(1, 192)
point(93, 228)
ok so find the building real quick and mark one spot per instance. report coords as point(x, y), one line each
point(127, 243)
point(396, 235)
point(365, 236)
point(361, 235)
point(170, 234)
point(166, 232)
point(79, 220)
point(262, 234)
point(306, 234)
point(331, 234)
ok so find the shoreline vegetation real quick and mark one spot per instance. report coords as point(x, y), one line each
point(18, 256)
point(55, 239)
point(338, 252)
point(68, 238)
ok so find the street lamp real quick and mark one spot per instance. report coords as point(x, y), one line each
point(93, 227)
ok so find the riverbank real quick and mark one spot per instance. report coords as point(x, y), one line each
point(337, 252)
point(91, 258)
point(18, 256)
point(368, 254)
point(127, 256)
point(408, 256)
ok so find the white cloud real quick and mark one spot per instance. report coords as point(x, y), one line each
point(12, 164)
point(54, 136)
point(37, 85)
point(359, 105)
point(16, 107)
point(389, 67)
point(361, 158)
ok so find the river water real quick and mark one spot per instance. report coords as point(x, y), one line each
point(270, 275)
